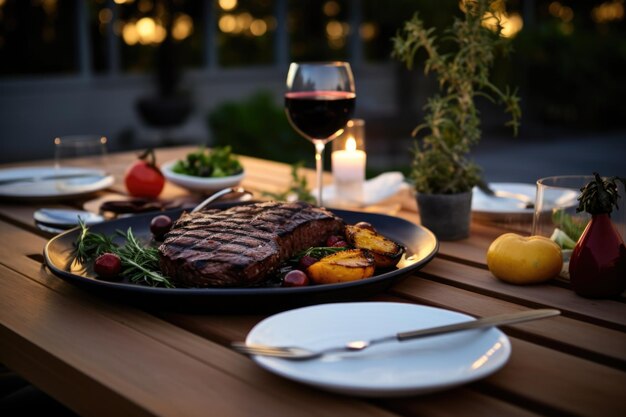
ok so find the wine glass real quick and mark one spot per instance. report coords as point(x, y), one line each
point(319, 102)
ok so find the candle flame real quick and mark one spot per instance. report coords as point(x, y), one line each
point(351, 144)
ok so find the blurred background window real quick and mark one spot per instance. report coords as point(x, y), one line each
point(569, 58)
point(38, 37)
point(318, 30)
point(246, 32)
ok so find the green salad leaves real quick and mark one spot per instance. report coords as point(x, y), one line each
point(216, 162)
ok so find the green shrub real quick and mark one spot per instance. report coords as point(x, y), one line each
point(258, 127)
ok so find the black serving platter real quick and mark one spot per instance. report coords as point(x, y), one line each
point(421, 245)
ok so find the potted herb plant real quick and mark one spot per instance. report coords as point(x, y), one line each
point(442, 171)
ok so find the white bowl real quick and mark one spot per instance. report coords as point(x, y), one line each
point(200, 184)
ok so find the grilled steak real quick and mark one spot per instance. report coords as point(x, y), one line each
point(242, 245)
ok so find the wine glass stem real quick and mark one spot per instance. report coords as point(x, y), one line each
point(319, 168)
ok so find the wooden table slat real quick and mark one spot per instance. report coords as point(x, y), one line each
point(608, 312)
point(578, 337)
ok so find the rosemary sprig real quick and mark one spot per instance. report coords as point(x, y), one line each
point(89, 245)
point(319, 252)
point(140, 264)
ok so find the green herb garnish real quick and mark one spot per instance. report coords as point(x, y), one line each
point(89, 245)
point(217, 162)
point(319, 252)
point(140, 264)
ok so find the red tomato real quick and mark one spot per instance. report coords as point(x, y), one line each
point(143, 178)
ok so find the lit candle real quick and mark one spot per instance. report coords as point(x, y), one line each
point(348, 165)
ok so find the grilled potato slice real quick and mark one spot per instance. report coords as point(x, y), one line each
point(386, 252)
point(347, 265)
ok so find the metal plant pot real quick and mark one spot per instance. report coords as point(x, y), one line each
point(446, 215)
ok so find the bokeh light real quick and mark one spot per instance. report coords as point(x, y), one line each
point(228, 5)
point(258, 27)
point(511, 23)
point(182, 27)
point(227, 23)
point(331, 8)
point(608, 12)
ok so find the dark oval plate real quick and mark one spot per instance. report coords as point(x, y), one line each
point(421, 245)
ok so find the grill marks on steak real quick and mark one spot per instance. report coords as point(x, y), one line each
point(242, 245)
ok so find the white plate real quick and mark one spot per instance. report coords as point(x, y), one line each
point(95, 180)
point(483, 203)
point(200, 184)
point(392, 369)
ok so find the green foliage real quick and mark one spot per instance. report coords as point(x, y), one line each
point(600, 195)
point(452, 122)
point(258, 127)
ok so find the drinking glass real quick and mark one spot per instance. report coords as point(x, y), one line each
point(556, 203)
point(319, 101)
point(555, 208)
point(81, 151)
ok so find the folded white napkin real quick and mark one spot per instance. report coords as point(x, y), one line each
point(375, 190)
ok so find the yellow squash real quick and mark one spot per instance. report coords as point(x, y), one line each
point(524, 260)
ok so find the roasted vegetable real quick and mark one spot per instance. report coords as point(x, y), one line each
point(347, 265)
point(386, 252)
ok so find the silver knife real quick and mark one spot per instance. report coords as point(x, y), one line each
point(299, 353)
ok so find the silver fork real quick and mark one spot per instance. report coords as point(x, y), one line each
point(299, 353)
point(218, 195)
point(524, 199)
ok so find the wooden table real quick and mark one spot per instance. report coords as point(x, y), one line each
point(101, 358)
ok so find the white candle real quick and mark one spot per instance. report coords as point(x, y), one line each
point(348, 165)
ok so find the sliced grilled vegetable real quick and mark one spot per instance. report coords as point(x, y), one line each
point(347, 265)
point(386, 252)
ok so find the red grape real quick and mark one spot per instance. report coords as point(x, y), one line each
point(160, 225)
point(331, 240)
point(107, 266)
point(295, 278)
point(306, 261)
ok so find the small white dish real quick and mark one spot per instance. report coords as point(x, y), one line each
point(66, 218)
point(200, 184)
point(52, 182)
point(387, 370)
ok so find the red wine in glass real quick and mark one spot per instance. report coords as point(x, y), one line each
point(319, 102)
point(319, 114)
